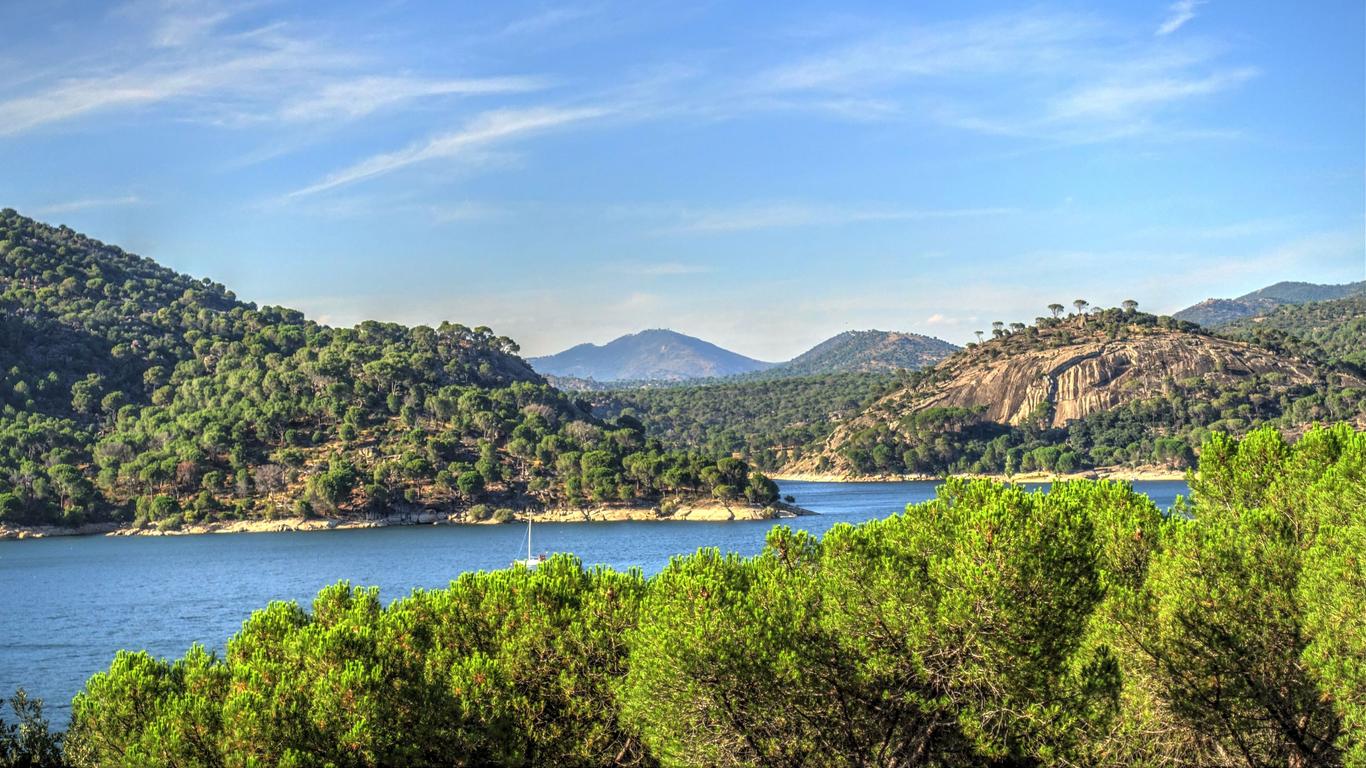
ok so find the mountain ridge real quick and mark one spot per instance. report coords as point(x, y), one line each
point(635, 362)
point(1216, 312)
point(652, 354)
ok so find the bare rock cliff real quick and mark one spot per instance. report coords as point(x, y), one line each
point(1094, 374)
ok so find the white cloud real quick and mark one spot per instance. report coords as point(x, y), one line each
point(485, 129)
point(86, 203)
point(201, 58)
point(1178, 14)
point(1037, 75)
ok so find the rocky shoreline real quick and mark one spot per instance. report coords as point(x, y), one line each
point(708, 511)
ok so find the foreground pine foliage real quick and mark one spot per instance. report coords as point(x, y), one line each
point(990, 626)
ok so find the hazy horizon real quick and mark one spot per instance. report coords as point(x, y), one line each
point(761, 176)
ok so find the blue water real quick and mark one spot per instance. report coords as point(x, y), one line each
point(68, 604)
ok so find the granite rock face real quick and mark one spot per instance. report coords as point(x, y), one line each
point(1081, 379)
point(1094, 373)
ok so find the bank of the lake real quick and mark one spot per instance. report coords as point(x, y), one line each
point(676, 510)
point(71, 602)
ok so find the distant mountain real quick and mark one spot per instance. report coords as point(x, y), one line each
point(868, 351)
point(1213, 313)
point(653, 355)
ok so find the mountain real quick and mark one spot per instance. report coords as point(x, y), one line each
point(653, 355)
point(1213, 313)
point(130, 393)
point(868, 351)
point(1113, 387)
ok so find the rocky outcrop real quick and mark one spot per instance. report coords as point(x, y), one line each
point(1081, 379)
point(1011, 379)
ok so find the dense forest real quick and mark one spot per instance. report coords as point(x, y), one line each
point(989, 627)
point(1331, 331)
point(767, 421)
point(131, 393)
point(1217, 313)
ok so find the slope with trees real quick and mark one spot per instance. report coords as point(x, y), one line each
point(653, 355)
point(1331, 331)
point(131, 393)
point(1215, 313)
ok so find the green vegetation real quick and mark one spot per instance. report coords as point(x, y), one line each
point(1164, 428)
point(1331, 331)
point(768, 422)
point(28, 742)
point(1217, 313)
point(988, 627)
point(135, 394)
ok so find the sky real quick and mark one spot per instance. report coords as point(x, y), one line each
point(760, 174)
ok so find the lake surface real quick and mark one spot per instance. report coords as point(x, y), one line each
point(68, 604)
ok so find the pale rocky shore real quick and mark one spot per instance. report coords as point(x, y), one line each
point(709, 511)
point(1127, 474)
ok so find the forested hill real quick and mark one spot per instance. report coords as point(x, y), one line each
point(1331, 331)
point(653, 355)
point(866, 352)
point(1112, 387)
point(1213, 313)
point(132, 393)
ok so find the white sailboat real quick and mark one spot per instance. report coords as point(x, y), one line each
point(531, 560)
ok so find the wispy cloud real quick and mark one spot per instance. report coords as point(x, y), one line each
point(86, 203)
point(1178, 14)
point(212, 66)
point(1114, 100)
point(363, 95)
point(1058, 77)
point(484, 130)
point(789, 215)
point(550, 19)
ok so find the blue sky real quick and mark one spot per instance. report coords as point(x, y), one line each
point(763, 175)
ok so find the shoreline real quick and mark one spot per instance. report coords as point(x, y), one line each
point(710, 511)
point(1127, 474)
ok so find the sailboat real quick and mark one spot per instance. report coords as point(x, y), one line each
point(531, 560)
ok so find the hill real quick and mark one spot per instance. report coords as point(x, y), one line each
point(653, 355)
point(1331, 331)
point(1213, 313)
point(867, 351)
point(1113, 387)
point(131, 393)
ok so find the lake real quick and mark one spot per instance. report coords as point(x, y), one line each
point(69, 603)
